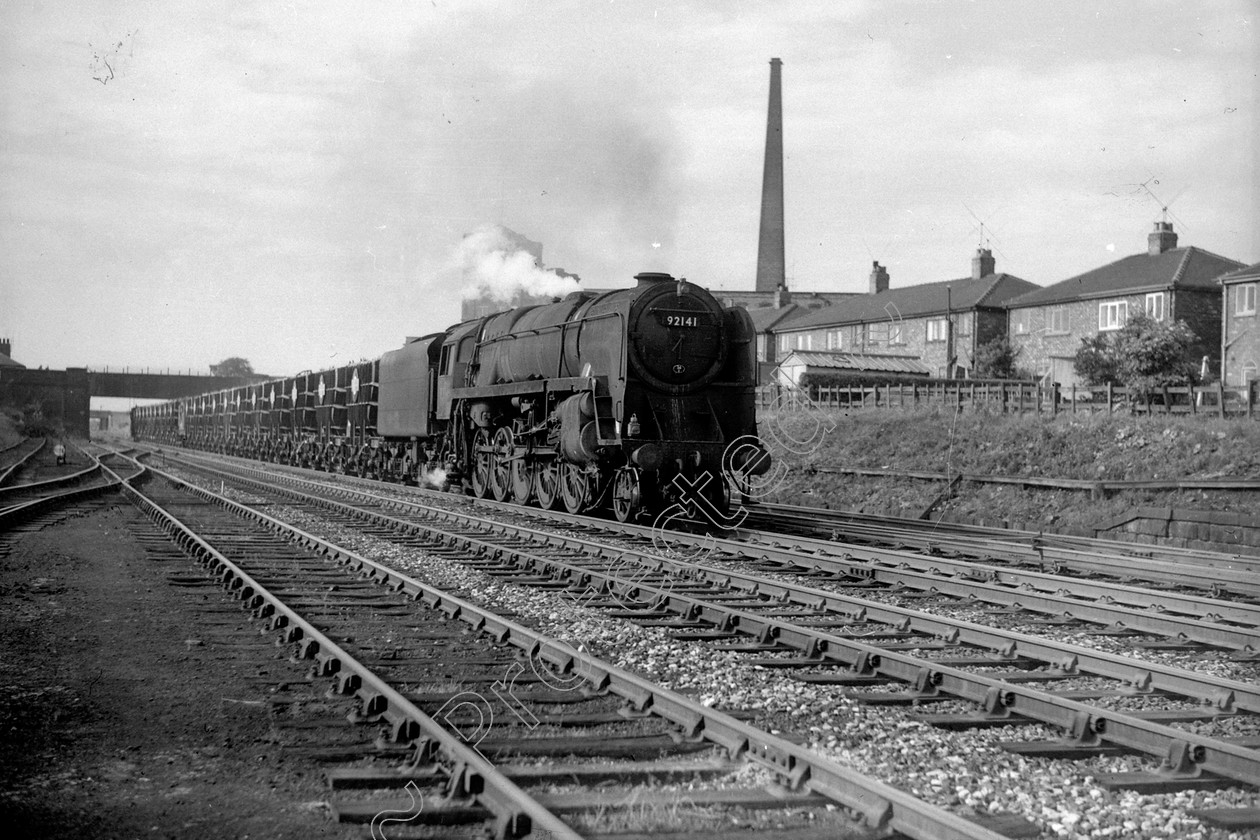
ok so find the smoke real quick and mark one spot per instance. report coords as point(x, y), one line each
point(494, 264)
point(434, 478)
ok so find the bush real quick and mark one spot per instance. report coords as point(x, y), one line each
point(997, 359)
point(1145, 355)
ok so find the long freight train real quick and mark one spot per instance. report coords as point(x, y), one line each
point(617, 399)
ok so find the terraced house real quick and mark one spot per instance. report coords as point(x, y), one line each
point(940, 325)
point(1240, 326)
point(1166, 282)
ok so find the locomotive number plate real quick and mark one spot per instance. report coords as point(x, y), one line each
point(681, 319)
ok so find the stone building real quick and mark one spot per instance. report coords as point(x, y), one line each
point(1166, 282)
point(1240, 326)
point(940, 324)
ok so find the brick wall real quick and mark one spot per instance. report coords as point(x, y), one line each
point(971, 328)
point(1242, 334)
point(1201, 310)
point(1045, 349)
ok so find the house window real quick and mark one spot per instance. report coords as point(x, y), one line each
point(1057, 319)
point(964, 323)
point(1155, 305)
point(1019, 321)
point(937, 329)
point(877, 332)
point(835, 340)
point(1245, 299)
point(783, 343)
point(1248, 372)
point(1111, 316)
point(895, 335)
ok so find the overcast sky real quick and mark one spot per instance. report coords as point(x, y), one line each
point(288, 181)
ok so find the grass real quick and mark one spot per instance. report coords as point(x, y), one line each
point(933, 439)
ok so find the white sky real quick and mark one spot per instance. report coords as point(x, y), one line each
point(286, 181)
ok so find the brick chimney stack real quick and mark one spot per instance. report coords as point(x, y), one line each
point(6, 347)
point(1161, 239)
point(771, 270)
point(982, 264)
point(879, 278)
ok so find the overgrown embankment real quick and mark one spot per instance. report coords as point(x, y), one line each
point(9, 433)
point(1093, 448)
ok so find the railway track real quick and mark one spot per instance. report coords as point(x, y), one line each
point(1209, 570)
point(463, 714)
point(13, 458)
point(1194, 729)
point(72, 489)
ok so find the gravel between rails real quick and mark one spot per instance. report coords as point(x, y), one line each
point(965, 771)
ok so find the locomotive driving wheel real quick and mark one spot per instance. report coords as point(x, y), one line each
point(627, 494)
point(481, 459)
point(547, 483)
point(501, 465)
point(575, 487)
point(522, 476)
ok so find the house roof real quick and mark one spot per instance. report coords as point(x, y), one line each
point(1176, 268)
point(918, 301)
point(837, 360)
point(765, 318)
point(5, 361)
point(1250, 274)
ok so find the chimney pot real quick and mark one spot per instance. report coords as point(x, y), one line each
point(6, 347)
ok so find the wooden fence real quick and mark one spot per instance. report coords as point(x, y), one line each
point(1017, 397)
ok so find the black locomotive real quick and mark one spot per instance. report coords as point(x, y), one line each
point(631, 399)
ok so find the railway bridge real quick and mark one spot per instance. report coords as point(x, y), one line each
point(65, 396)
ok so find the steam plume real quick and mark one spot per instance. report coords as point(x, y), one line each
point(493, 263)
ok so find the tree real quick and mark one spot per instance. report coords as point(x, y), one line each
point(997, 359)
point(1151, 354)
point(233, 366)
point(1145, 355)
point(1095, 361)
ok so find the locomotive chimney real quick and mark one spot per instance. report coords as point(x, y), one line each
point(647, 278)
point(771, 271)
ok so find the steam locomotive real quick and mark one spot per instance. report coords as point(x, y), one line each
point(633, 399)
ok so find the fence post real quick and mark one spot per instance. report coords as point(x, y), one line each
point(1220, 397)
point(1250, 401)
point(1054, 395)
point(1167, 402)
point(1194, 402)
point(1021, 398)
point(1111, 396)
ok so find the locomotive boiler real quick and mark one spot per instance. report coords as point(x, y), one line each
point(629, 399)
